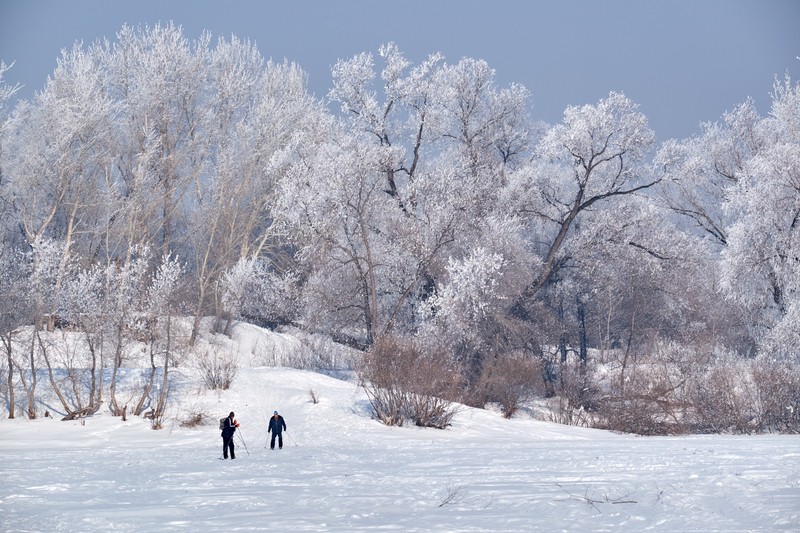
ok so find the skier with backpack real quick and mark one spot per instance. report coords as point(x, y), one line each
point(228, 426)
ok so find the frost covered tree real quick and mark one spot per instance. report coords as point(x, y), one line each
point(430, 106)
point(12, 310)
point(761, 264)
point(735, 184)
point(71, 352)
point(468, 316)
point(157, 140)
point(159, 79)
point(408, 181)
point(400, 124)
point(571, 204)
point(238, 287)
point(160, 305)
point(58, 159)
point(335, 207)
point(48, 267)
point(124, 288)
point(6, 93)
point(260, 112)
point(701, 173)
point(701, 177)
point(596, 156)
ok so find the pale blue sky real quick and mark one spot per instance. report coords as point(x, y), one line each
point(682, 61)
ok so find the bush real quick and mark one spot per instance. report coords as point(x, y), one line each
point(725, 398)
point(403, 383)
point(510, 381)
point(676, 389)
point(648, 399)
point(194, 417)
point(217, 370)
point(749, 396)
point(576, 403)
point(563, 411)
point(778, 390)
point(307, 352)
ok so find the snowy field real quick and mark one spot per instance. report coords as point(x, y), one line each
point(341, 471)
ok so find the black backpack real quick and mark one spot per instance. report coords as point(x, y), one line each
point(222, 422)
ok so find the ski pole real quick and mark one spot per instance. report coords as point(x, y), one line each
point(243, 443)
point(287, 433)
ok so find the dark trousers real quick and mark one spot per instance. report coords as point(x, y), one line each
point(280, 440)
point(227, 444)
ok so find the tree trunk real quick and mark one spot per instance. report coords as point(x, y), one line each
point(11, 401)
point(228, 325)
point(372, 285)
point(626, 357)
point(100, 379)
point(74, 378)
point(86, 411)
point(197, 316)
point(93, 384)
point(69, 410)
point(550, 266)
point(32, 389)
point(117, 363)
point(203, 281)
point(583, 345)
point(162, 398)
point(146, 392)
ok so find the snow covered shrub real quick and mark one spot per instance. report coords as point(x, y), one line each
point(576, 401)
point(217, 370)
point(321, 353)
point(194, 416)
point(778, 388)
point(306, 351)
point(725, 398)
point(647, 395)
point(193, 420)
point(635, 414)
point(562, 411)
point(405, 383)
point(579, 385)
point(510, 380)
point(749, 396)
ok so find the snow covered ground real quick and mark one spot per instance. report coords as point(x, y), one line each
point(341, 471)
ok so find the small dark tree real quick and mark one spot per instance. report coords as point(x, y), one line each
point(405, 383)
point(510, 380)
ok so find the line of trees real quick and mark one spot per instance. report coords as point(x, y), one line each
point(154, 176)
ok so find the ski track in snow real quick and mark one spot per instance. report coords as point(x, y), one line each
point(341, 471)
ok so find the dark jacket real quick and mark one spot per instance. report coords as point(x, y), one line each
point(229, 429)
point(276, 425)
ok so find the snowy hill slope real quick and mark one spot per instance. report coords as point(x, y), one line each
point(342, 471)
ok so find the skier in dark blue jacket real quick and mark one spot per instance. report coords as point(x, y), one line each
point(228, 429)
point(276, 427)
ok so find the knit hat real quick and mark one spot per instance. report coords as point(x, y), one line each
point(274, 412)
